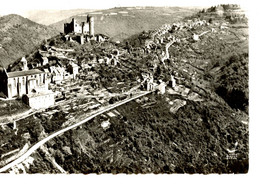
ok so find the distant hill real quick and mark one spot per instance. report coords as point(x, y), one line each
point(47, 17)
point(19, 36)
point(120, 23)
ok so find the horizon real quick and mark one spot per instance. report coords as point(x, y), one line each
point(25, 7)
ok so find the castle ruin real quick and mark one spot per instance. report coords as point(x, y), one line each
point(82, 28)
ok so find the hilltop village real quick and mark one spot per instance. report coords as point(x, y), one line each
point(52, 65)
point(79, 72)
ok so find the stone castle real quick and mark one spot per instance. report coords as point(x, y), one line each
point(82, 28)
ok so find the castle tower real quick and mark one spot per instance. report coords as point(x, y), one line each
point(73, 24)
point(81, 39)
point(91, 26)
point(82, 27)
point(3, 81)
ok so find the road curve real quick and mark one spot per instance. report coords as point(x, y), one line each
point(43, 141)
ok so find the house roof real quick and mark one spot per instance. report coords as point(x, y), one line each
point(24, 73)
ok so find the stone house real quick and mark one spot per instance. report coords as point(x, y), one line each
point(39, 100)
point(150, 86)
point(44, 60)
point(73, 69)
point(57, 74)
point(172, 82)
point(161, 87)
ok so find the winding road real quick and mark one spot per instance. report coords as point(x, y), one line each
point(43, 141)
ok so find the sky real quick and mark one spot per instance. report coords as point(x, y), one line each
point(21, 6)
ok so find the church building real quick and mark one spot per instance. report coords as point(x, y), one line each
point(18, 83)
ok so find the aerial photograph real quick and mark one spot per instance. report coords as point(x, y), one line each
point(126, 87)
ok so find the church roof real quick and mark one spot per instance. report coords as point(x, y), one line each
point(24, 73)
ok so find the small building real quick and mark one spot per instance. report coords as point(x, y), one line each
point(150, 84)
point(74, 69)
point(48, 75)
point(57, 74)
point(44, 60)
point(100, 38)
point(25, 66)
point(39, 100)
point(161, 87)
point(172, 81)
point(195, 37)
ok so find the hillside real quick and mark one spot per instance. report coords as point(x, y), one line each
point(120, 23)
point(199, 124)
point(47, 17)
point(19, 36)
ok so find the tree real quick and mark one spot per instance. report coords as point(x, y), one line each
point(158, 71)
point(53, 42)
